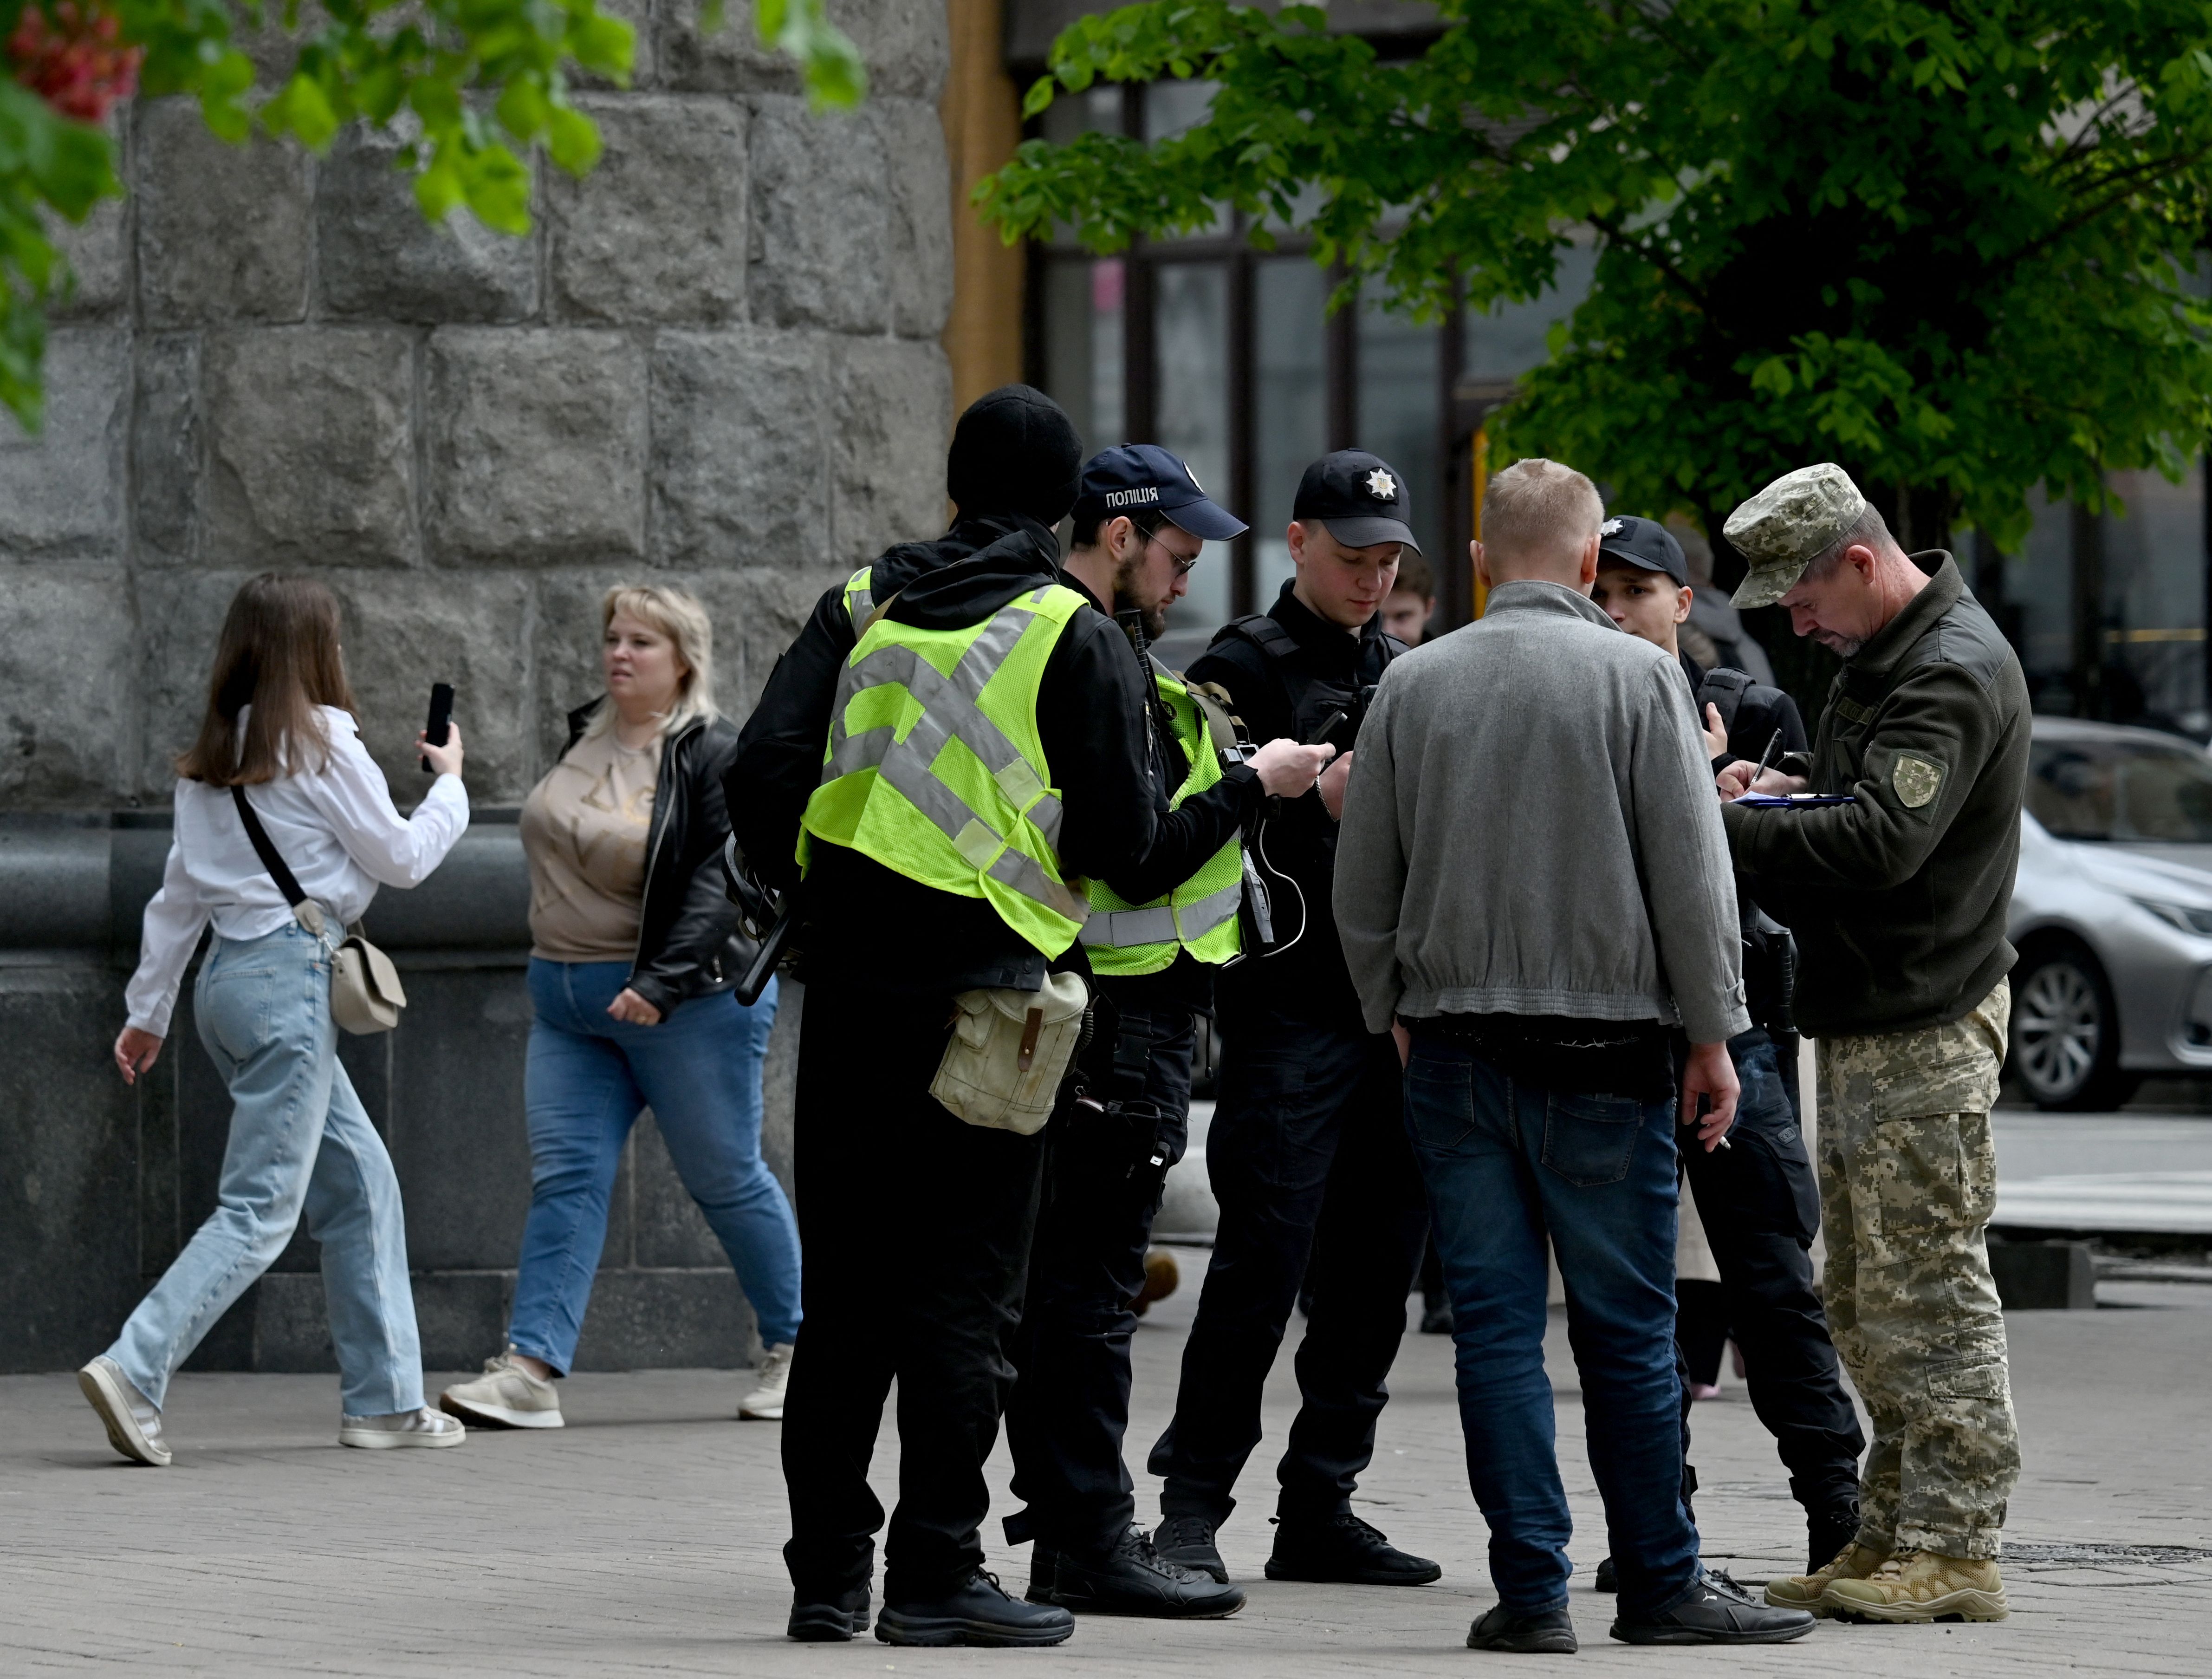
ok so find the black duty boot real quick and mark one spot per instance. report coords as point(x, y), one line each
point(977, 1611)
point(1044, 1570)
point(1342, 1548)
point(1608, 1577)
point(1546, 1633)
point(1131, 1578)
point(1188, 1542)
point(1717, 1611)
point(827, 1620)
point(1826, 1533)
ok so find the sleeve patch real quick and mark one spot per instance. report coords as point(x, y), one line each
point(1915, 779)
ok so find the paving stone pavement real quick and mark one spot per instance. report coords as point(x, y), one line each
point(644, 1539)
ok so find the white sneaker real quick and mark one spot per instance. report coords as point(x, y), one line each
point(765, 1403)
point(133, 1421)
point(398, 1428)
point(505, 1396)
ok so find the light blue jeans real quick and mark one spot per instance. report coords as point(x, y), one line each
point(300, 1141)
point(588, 1077)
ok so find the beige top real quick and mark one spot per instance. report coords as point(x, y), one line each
point(584, 830)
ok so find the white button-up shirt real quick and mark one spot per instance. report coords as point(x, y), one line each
point(334, 824)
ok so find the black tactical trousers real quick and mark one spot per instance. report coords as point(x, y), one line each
point(1071, 1404)
point(1309, 1158)
point(1760, 1205)
point(916, 1231)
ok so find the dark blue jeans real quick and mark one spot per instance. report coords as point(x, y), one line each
point(1508, 1164)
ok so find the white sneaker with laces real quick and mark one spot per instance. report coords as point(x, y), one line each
point(133, 1421)
point(505, 1396)
point(765, 1403)
point(424, 1427)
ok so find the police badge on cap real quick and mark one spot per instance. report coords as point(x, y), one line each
point(1358, 496)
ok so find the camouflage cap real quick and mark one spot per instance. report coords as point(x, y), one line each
point(1788, 525)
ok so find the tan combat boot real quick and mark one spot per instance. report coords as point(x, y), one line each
point(1930, 1587)
point(1805, 1592)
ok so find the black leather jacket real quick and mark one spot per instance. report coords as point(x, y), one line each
point(688, 943)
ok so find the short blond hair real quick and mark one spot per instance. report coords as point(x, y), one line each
point(677, 614)
point(1538, 510)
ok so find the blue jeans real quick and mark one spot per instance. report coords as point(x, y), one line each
point(588, 1077)
point(1508, 1164)
point(300, 1141)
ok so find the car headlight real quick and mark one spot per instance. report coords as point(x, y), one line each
point(2180, 917)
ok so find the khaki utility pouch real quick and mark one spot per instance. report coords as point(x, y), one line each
point(1008, 1053)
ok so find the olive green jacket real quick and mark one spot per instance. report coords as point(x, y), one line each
point(1899, 901)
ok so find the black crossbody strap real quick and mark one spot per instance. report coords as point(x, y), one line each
point(278, 871)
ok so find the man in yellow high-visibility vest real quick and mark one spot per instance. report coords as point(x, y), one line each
point(952, 746)
point(1157, 932)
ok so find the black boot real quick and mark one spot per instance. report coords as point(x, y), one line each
point(1188, 1542)
point(1548, 1633)
point(977, 1611)
point(1044, 1570)
point(1342, 1548)
point(1608, 1578)
point(1826, 1533)
point(829, 1620)
point(1131, 1578)
point(1717, 1611)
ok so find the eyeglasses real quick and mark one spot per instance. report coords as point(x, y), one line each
point(1183, 564)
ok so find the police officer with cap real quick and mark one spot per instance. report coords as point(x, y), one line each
point(1159, 929)
point(1756, 1198)
point(1899, 895)
point(1307, 1154)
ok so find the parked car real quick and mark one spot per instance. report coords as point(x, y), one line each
point(2113, 914)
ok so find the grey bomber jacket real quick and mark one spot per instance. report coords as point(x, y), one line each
point(1531, 827)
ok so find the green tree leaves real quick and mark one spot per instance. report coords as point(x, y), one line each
point(1951, 245)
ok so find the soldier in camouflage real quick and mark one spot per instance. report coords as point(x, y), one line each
point(1899, 898)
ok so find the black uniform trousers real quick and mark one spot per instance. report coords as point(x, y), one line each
point(1309, 1160)
point(1071, 1406)
point(916, 1230)
point(1760, 1205)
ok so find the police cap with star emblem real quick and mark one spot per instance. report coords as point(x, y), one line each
point(1788, 525)
point(1358, 496)
point(1644, 543)
point(1144, 477)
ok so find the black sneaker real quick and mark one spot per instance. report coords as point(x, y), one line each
point(829, 1620)
point(1548, 1633)
point(1718, 1611)
point(977, 1611)
point(1188, 1542)
point(1133, 1580)
point(1345, 1549)
point(1608, 1577)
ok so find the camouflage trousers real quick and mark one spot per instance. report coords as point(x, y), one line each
point(1908, 1181)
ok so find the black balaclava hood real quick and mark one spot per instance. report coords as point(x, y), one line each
point(1014, 451)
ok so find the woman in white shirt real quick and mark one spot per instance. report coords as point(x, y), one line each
point(279, 724)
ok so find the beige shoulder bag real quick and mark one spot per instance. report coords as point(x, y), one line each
point(365, 993)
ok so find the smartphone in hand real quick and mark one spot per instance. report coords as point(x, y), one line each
point(441, 717)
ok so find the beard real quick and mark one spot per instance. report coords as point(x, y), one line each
point(1843, 646)
point(1155, 618)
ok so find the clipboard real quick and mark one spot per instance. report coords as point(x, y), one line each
point(1793, 802)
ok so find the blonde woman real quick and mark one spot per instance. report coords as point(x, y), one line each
point(632, 958)
point(279, 734)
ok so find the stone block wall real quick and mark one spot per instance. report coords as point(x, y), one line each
point(715, 361)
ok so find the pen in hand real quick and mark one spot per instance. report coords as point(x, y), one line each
point(1765, 758)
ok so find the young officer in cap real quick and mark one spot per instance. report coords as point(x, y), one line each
point(1159, 929)
point(1899, 900)
point(1756, 1198)
point(1307, 1154)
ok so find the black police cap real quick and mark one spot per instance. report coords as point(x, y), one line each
point(1643, 543)
point(1361, 498)
point(1140, 477)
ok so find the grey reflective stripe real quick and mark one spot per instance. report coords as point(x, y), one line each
point(948, 711)
point(1200, 918)
point(1126, 928)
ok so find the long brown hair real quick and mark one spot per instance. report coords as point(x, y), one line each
point(278, 653)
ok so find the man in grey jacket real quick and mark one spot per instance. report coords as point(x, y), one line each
point(1516, 784)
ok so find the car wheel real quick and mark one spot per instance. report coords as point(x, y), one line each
point(2065, 1031)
